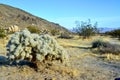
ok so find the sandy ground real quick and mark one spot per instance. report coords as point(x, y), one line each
point(82, 65)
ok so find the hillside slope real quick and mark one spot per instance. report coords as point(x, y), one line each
point(13, 16)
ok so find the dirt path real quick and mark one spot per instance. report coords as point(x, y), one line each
point(91, 68)
point(114, 41)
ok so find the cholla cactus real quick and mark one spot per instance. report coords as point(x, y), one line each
point(13, 28)
point(33, 47)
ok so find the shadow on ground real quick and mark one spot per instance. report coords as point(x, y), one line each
point(80, 47)
point(5, 62)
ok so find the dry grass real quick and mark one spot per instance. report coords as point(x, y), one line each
point(74, 42)
point(65, 70)
point(110, 57)
point(3, 42)
point(3, 45)
point(77, 41)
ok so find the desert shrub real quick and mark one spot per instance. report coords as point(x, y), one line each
point(65, 36)
point(2, 33)
point(54, 32)
point(112, 48)
point(45, 31)
point(99, 43)
point(114, 33)
point(86, 29)
point(33, 47)
point(33, 29)
point(106, 47)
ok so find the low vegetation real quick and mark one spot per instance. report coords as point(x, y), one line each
point(34, 48)
point(65, 36)
point(2, 33)
point(106, 47)
point(114, 33)
point(33, 29)
point(86, 29)
point(99, 43)
point(55, 32)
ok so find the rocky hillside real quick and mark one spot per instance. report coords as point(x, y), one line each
point(13, 16)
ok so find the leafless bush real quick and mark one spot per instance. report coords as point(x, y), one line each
point(106, 47)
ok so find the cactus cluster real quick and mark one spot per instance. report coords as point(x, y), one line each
point(33, 47)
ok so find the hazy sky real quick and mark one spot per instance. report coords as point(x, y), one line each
point(66, 12)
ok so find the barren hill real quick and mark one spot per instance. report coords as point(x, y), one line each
point(13, 16)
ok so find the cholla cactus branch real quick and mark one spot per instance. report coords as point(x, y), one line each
point(33, 47)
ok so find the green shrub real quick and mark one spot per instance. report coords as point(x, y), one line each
point(114, 33)
point(86, 29)
point(33, 47)
point(33, 29)
point(2, 33)
point(99, 43)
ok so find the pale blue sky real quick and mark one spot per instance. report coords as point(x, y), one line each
point(66, 12)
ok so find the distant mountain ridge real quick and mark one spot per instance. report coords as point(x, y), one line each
point(14, 16)
point(105, 29)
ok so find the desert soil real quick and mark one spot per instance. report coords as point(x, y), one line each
point(82, 65)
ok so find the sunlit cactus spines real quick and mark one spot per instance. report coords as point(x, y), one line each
point(33, 47)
